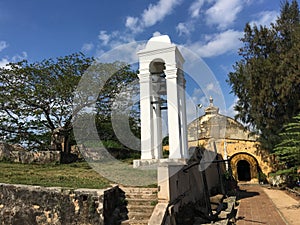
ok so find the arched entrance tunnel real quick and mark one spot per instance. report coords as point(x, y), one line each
point(243, 170)
point(244, 167)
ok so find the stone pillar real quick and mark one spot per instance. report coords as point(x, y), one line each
point(173, 114)
point(182, 107)
point(146, 115)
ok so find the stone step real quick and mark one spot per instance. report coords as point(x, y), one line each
point(132, 201)
point(131, 222)
point(140, 190)
point(137, 216)
point(140, 204)
point(141, 196)
point(147, 209)
point(215, 201)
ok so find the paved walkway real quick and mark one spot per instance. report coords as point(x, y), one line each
point(259, 205)
point(287, 206)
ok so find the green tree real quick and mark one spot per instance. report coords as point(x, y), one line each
point(266, 79)
point(116, 97)
point(288, 149)
point(37, 99)
point(105, 89)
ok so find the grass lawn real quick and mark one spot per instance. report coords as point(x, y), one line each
point(74, 175)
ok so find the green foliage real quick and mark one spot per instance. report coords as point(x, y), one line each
point(154, 203)
point(109, 89)
point(227, 175)
point(111, 144)
point(266, 79)
point(36, 98)
point(114, 105)
point(165, 141)
point(262, 178)
point(39, 99)
point(166, 154)
point(288, 149)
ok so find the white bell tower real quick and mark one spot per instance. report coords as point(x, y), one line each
point(162, 87)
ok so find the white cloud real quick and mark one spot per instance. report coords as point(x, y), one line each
point(197, 96)
point(187, 27)
point(223, 13)
point(17, 58)
point(265, 18)
point(132, 24)
point(257, 2)
point(156, 13)
point(3, 63)
point(184, 28)
point(104, 37)
point(192, 101)
point(86, 47)
point(152, 15)
point(195, 8)
point(114, 39)
point(3, 45)
point(124, 53)
point(230, 110)
point(131, 21)
point(210, 87)
point(227, 41)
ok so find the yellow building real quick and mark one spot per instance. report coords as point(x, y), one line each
point(233, 141)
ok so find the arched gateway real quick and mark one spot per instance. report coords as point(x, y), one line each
point(246, 158)
point(245, 167)
point(243, 170)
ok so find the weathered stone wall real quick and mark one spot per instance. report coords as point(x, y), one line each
point(232, 138)
point(34, 205)
point(20, 155)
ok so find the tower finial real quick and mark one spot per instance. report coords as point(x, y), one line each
point(211, 100)
point(211, 109)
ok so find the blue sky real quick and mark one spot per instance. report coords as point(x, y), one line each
point(36, 30)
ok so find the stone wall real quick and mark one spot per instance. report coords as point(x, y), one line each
point(231, 139)
point(34, 205)
point(18, 154)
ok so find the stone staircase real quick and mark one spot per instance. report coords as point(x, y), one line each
point(140, 204)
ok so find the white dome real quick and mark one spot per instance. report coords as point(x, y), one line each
point(158, 42)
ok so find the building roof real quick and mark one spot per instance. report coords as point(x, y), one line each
point(215, 125)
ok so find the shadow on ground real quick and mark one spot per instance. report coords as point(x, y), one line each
point(241, 194)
